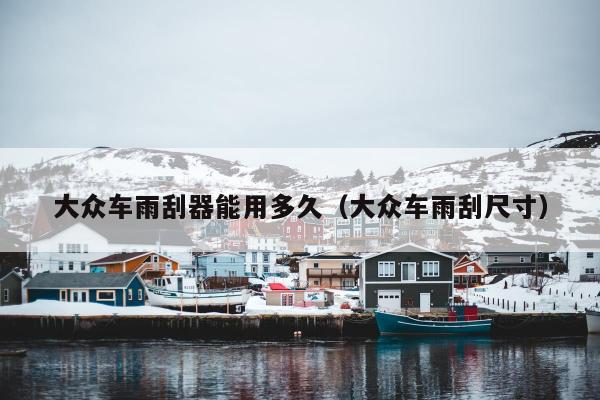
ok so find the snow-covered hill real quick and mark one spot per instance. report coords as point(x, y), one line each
point(568, 177)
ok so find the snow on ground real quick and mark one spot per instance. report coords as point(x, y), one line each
point(558, 292)
point(63, 308)
point(257, 306)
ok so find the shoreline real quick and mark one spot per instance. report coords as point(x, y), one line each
point(265, 326)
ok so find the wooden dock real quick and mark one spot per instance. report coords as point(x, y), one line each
point(273, 326)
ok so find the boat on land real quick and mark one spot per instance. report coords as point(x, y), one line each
point(456, 323)
point(13, 353)
point(182, 293)
point(592, 318)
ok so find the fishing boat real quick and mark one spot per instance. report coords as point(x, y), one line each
point(182, 293)
point(13, 353)
point(456, 323)
point(592, 317)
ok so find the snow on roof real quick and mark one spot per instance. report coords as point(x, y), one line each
point(81, 280)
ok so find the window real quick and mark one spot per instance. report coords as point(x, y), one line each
point(456, 279)
point(129, 294)
point(522, 259)
point(473, 279)
point(82, 266)
point(589, 270)
point(386, 269)
point(215, 260)
point(105, 295)
point(342, 221)
point(315, 265)
point(254, 257)
point(299, 228)
point(61, 265)
point(287, 299)
point(495, 259)
point(154, 258)
point(266, 257)
point(60, 247)
point(347, 267)
point(431, 268)
point(294, 218)
point(63, 295)
point(85, 248)
point(287, 229)
point(589, 255)
point(372, 232)
point(357, 221)
point(409, 271)
point(140, 294)
point(6, 295)
point(316, 282)
point(71, 265)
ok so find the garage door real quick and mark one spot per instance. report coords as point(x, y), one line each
point(388, 299)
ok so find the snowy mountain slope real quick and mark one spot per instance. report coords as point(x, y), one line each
point(575, 139)
point(568, 177)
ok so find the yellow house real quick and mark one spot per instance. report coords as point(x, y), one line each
point(335, 270)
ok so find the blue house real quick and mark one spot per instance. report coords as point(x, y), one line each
point(118, 289)
point(221, 264)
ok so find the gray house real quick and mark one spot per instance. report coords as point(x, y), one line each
point(10, 288)
point(408, 276)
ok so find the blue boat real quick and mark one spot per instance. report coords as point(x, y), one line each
point(396, 324)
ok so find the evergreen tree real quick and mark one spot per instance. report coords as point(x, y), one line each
point(358, 178)
point(398, 176)
point(372, 179)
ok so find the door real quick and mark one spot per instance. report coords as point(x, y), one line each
point(79, 296)
point(389, 299)
point(425, 302)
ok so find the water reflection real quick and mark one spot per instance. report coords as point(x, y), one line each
point(388, 367)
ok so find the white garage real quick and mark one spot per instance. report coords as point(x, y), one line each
point(389, 299)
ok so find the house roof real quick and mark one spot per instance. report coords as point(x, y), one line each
point(462, 268)
point(129, 230)
point(120, 257)
point(81, 280)
point(406, 248)
point(334, 255)
point(6, 272)
point(586, 244)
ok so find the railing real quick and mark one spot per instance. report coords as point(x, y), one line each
point(331, 273)
point(151, 266)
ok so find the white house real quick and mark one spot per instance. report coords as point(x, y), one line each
point(260, 261)
point(68, 245)
point(582, 258)
point(268, 242)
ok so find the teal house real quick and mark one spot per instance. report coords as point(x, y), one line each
point(221, 264)
point(115, 289)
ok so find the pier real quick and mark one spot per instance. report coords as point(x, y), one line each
point(272, 326)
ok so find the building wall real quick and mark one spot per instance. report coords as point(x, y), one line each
point(259, 266)
point(440, 287)
point(308, 263)
point(578, 262)
point(221, 264)
point(13, 284)
point(121, 295)
point(440, 293)
point(45, 255)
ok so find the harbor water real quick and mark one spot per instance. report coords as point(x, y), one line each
point(386, 367)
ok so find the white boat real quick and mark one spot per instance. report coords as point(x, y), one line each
point(179, 292)
point(592, 316)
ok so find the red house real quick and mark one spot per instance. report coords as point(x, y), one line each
point(307, 229)
point(468, 273)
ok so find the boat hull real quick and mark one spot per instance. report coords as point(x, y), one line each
point(165, 298)
point(394, 324)
point(593, 321)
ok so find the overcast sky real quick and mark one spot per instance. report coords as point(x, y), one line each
point(296, 73)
